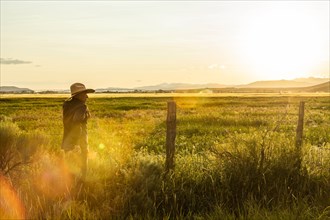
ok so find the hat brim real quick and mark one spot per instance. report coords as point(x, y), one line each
point(83, 91)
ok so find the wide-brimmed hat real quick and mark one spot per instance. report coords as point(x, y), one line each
point(78, 88)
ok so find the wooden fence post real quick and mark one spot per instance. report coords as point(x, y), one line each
point(300, 126)
point(299, 134)
point(170, 135)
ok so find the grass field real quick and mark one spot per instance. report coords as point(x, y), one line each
point(235, 158)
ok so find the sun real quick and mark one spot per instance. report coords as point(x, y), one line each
point(283, 44)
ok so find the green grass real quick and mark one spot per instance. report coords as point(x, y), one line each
point(235, 159)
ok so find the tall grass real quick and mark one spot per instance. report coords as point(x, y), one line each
point(235, 159)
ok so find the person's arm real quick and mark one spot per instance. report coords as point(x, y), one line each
point(81, 114)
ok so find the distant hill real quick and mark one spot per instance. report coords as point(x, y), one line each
point(179, 86)
point(323, 87)
point(296, 83)
point(275, 84)
point(113, 89)
point(14, 89)
point(312, 80)
point(299, 82)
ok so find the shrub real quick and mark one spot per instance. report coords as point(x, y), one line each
point(17, 147)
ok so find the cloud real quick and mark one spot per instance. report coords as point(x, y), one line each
point(216, 66)
point(13, 61)
point(213, 66)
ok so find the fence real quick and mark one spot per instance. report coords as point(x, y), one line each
point(171, 134)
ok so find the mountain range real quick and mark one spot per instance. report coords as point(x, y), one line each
point(296, 83)
point(299, 84)
point(14, 89)
point(323, 87)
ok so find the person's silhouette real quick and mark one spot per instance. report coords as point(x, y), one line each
point(75, 116)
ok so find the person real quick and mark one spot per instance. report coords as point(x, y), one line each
point(75, 116)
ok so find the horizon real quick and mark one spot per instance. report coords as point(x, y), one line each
point(50, 45)
point(166, 83)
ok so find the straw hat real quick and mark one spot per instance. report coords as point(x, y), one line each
point(78, 88)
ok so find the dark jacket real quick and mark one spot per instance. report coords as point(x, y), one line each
point(75, 115)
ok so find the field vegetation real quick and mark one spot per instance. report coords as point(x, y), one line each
point(235, 159)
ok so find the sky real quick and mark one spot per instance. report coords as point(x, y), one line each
point(52, 44)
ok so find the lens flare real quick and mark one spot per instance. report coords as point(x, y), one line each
point(101, 146)
point(54, 179)
point(11, 206)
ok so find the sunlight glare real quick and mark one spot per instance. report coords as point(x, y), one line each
point(54, 179)
point(283, 44)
